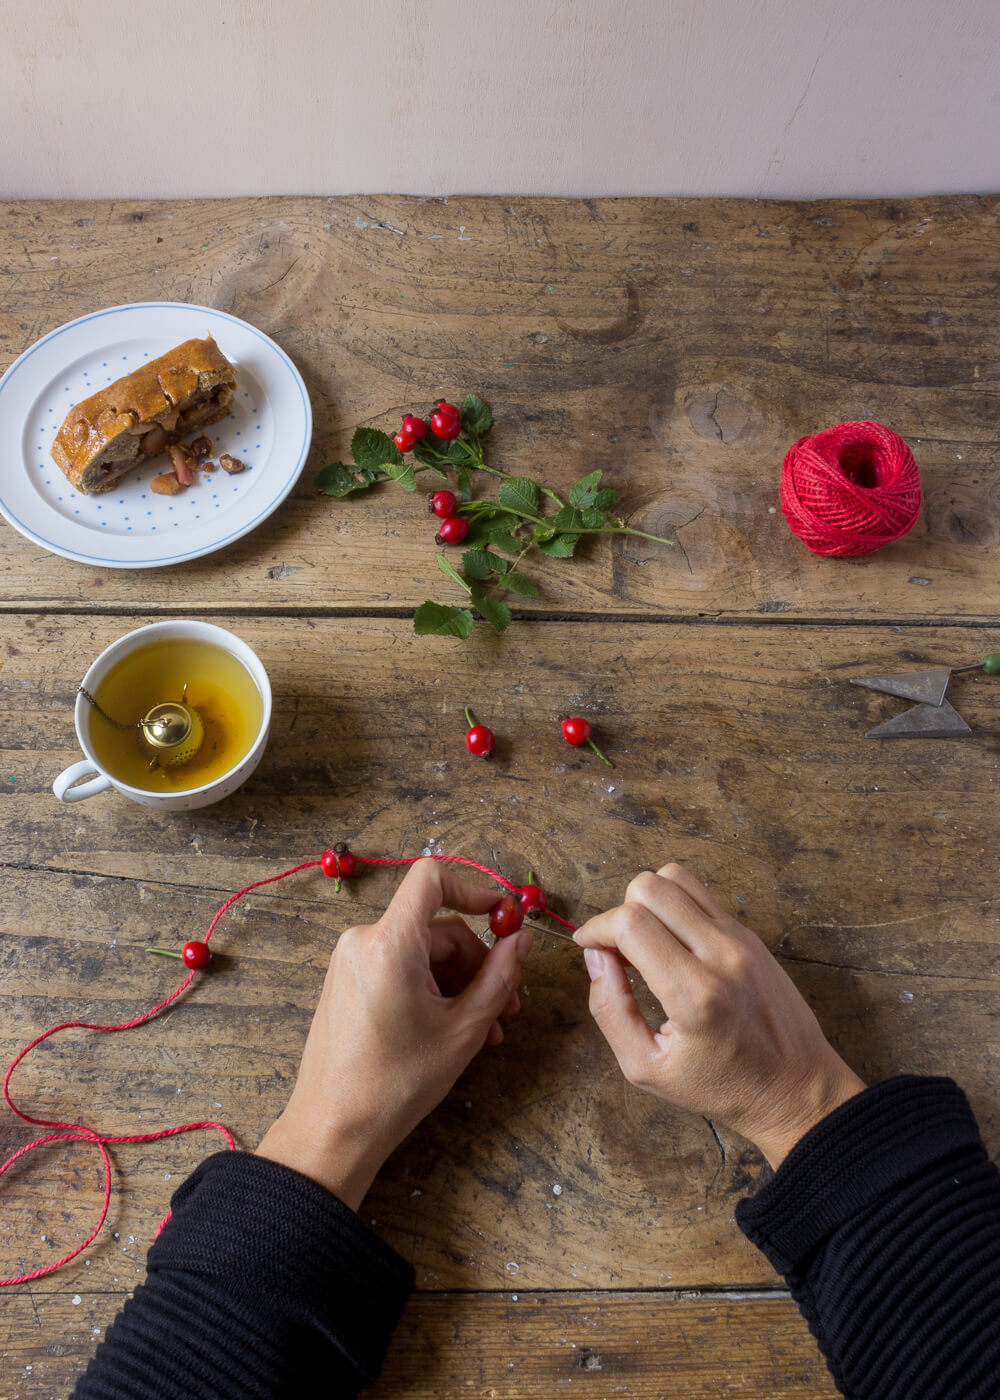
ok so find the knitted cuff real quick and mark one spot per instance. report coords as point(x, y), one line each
point(858, 1155)
point(289, 1247)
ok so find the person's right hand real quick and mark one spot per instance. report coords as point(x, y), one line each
point(740, 1045)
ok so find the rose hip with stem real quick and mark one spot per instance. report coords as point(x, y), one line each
point(577, 731)
point(193, 955)
point(339, 863)
point(532, 897)
point(478, 739)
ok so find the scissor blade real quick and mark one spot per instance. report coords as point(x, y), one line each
point(922, 722)
point(928, 687)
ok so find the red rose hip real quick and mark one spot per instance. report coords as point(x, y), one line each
point(415, 427)
point(533, 901)
point(478, 739)
point(196, 956)
point(442, 504)
point(453, 530)
point(577, 731)
point(506, 916)
point(339, 863)
point(446, 421)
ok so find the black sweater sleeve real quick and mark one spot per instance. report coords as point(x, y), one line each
point(885, 1220)
point(261, 1284)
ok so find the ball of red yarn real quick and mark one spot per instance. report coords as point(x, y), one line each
point(850, 489)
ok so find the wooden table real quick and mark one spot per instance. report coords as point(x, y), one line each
point(570, 1235)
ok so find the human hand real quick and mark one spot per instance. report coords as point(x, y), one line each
point(406, 1004)
point(740, 1045)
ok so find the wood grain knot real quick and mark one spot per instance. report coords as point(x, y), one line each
point(723, 415)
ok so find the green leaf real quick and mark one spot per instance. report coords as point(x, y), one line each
point(583, 488)
point(503, 540)
point(559, 548)
point(605, 499)
point(401, 472)
point(521, 583)
point(464, 482)
point(497, 614)
point(451, 572)
point(435, 620)
point(478, 563)
point(462, 453)
point(477, 416)
point(567, 519)
point(372, 449)
point(594, 519)
point(338, 480)
point(519, 494)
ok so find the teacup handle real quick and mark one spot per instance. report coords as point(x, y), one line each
point(66, 793)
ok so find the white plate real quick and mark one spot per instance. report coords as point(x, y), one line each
point(130, 527)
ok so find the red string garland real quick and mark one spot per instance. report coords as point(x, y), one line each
point(79, 1132)
point(850, 489)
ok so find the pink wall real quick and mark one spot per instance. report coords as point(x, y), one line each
point(566, 97)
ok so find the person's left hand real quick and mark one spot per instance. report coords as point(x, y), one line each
point(406, 1004)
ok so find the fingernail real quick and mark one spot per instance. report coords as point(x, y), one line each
point(525, 942)
point(594, 959)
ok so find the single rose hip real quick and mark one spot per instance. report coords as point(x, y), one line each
point(577, 731)
point(196, 955)
point(339, 863)
point(446, 421)
point(442, 504)
point(533, 901)
point(193, 955)
point(416, 427)
point(453, 530)
point(478, 739)
point(506, 916)
point(404, 440)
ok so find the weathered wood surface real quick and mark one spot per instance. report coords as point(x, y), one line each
point(680, 345)
point(644, 1346)
point(740, 751)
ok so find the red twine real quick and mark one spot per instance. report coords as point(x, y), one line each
point(79, 1132)
point(850, 489)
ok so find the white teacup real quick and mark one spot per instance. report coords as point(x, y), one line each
point(89, 777)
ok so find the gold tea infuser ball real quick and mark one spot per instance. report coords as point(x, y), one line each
point(170, 733)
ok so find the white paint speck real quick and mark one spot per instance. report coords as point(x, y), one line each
point(557, 1190)
point(77, 1300)
point(166, 1176)
point(513, 1268)
point(906, 998)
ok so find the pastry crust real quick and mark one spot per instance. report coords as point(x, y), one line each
point(142, 414)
